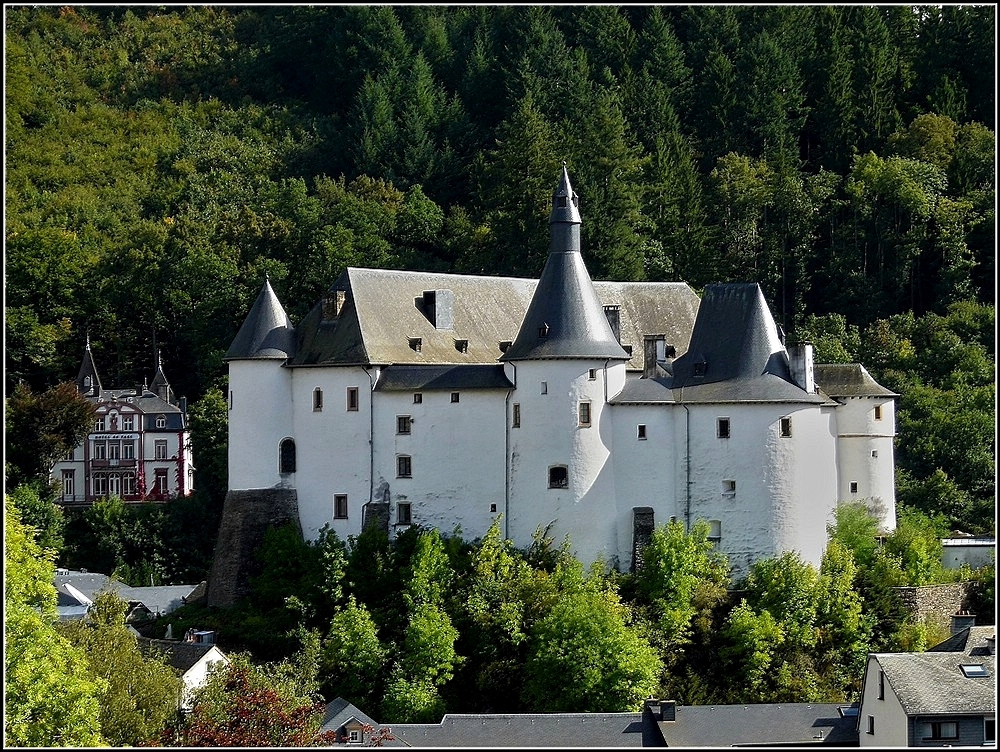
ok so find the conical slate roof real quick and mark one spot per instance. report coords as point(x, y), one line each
point(734, 337)
point(88, 383)
point(565, 318)
point(160, 384)
point(267, 331)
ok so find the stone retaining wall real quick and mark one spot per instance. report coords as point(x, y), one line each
point(935, 602)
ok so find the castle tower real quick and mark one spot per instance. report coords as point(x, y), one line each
point(260, 417)
point(88, 383)
point(564, 362)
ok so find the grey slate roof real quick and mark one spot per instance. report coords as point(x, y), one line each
point(178, 654)
point(340, 711)
point(565, 318)
point(267, 331)
point(933, 682)
point(849, 380)
point(87, 368)
point(525, 730)
point(971, 641)
point(160, 598)
point(410, 378)
point(383, 310)
point(765, 724)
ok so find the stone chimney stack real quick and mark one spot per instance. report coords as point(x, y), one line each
point(800, 362)
point(962, 620)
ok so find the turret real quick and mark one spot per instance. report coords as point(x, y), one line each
point(88, 383)
point(160, 384)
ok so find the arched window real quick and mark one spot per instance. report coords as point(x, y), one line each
point(286, 456)
point(558, 477)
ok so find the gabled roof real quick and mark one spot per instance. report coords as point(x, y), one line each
point(182, 656)
point(340, 711)
point(934, 683)
point(267, 331)
point(849, 380)
point(530, 730)
point(762, 725)
point(383, 311)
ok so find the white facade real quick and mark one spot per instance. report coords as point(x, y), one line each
point(882, 721)
point(448, 401)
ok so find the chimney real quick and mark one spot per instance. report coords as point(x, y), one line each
point(961, 621)
point(183, 405)
point(668, 710)
point(654, 349)
point(800, 362)
point(439, 308)
point(991, 644)
point(613, 313)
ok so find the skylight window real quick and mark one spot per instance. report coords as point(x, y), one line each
point(974, 670)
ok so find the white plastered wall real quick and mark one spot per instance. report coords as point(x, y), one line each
point(259, 417)
point(865, 454)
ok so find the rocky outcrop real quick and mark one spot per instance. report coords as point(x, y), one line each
point(246, 516)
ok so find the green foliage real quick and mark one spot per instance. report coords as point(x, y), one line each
point(50, 699)
point(142, 691)
point(39, 511)
point(353, 658)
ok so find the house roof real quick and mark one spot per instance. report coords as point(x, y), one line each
point(383, 309)
point(267, 331)
point(178, 654)
point(765, 724)
point(849, 380)
point(934, 683)
point(971, 641)
point(340, 711)
point(524, 730)
point(430, 377)
point(161, 598)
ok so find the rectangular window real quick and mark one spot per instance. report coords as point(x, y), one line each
point(100, 484)
point(160, 484)
point(352, 398)
point(354, 736)
point(418, 398)
point(874, 452)
point(99, 424)
point(68, 483)
point(403, 516)
point(403, 424)
point(317, 400)
point(454, 396)
point(69, 454)
point(944, 730)
point(640, 432)
point(100, 450)
point(854, 486)
point(714, 531)
point(592, 375)
point(545, 387)
point(729, 488)
point(584, 413)
point(785, 427)
point(340, 507)
point(881, 685)
point(160, 449)
point(128, 423)
point(871, 724)
point(515, 418)
point(114, 450)
point(878, 412)
point(230, 399)
point(128, 450)
point(989, 729)
point(128, 484)
point(722, 428)
point(404, 466)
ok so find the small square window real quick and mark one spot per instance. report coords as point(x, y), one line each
point(584, 413)
point(403, 515)
point(729, 488)
point(545, 387)
point(454, 396)
point(722, 428)
point(558, 477)
point(354, 736)
point(493, 508)
point(592, 374)
point(418, 398)
point(874, 452)
point(352, 398)
point(854, 486)
point(515, 418)
point(404, 466)
point(403, 423)
point(340, 507)
point(878, 412)
point(785, 427)
point(640, 432)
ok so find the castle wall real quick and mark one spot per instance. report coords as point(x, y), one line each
point(259, 417)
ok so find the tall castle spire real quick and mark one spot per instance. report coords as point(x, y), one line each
point(565, 319)
point(88, 383)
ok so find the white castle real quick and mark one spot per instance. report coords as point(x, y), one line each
point(593, 409)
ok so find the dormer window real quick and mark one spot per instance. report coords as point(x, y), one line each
point(416, 343)
point(543, 330)
point(161, 421)
point(504, 345)
point(462, 345)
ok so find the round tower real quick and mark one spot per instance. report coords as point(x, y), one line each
point(564, 363)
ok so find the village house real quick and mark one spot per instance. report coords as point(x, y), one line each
point(594, 410)
point(139, 448)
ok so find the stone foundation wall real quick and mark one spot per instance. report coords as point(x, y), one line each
point(246, 516)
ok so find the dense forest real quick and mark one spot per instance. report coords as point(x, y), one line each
point(161, 160)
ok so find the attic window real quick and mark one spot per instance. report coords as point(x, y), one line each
point(161, 421)
point(543, 330)
point(416, 343)
point(974, 670)
point(462, 345)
